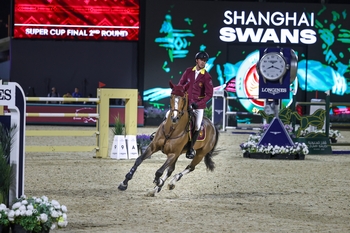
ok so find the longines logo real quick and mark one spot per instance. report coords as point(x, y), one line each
point(5, 94)
point(274, 91)
point(219, 111)
point(275, 133)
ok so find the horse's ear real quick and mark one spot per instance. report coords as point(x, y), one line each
point(187, 85)
point(171, 84)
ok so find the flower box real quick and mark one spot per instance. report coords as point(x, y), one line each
point(36, 215)
point(274, 156)
point(4, 229)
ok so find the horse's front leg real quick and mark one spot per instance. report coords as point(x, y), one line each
point(159, 181)
point(124, 184)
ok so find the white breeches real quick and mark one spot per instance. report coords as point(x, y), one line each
point(198, 116)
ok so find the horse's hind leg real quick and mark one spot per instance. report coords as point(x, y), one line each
point(188, 169)
point(159, 181)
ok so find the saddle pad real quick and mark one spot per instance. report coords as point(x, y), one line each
point(201, 136)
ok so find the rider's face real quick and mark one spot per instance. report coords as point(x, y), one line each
point(201, 63)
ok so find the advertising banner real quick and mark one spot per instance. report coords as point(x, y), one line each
point(74, 19)
point(279, 89)
point(232, 34)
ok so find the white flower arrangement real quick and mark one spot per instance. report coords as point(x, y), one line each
point(4, 221)
point(37, 214)
point(332, 133)
point(252, 147)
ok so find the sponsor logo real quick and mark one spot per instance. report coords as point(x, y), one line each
point(5, 94)
point(264, 27)
point(219, 111)
point(275, 133)
point(274, 91)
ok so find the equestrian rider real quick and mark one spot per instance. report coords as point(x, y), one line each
point(200, 91)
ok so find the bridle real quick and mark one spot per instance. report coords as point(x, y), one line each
point(175, 121)
point(174, 109)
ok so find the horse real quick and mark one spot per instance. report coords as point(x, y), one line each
point(172, 137)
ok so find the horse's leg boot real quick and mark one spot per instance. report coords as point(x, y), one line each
point(191, 152)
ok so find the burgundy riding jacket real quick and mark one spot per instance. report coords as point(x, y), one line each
point(201, 88)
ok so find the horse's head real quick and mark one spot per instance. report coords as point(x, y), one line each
point(178, 101)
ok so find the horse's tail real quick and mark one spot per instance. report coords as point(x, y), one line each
point(208, 157)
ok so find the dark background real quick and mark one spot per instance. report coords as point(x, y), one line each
point(43, 64)
point(68, 64)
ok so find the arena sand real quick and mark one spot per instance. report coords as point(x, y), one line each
point(241, 195)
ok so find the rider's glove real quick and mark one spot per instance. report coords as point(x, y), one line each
point(194, 106)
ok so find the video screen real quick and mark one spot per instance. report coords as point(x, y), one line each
point(77, 20)
point(233, 34)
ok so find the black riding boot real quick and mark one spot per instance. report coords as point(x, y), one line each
point(191, 152)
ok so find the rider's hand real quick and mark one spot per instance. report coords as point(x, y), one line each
point(194, 106)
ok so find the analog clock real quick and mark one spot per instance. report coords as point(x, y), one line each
point(272, 66)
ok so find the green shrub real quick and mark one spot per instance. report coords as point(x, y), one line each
point(118, 128)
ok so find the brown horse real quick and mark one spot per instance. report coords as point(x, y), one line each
point(172, 137)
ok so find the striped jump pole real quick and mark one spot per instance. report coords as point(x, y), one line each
point(102, 125)
point(62, 115)
point(63, 99)
point(62, 133)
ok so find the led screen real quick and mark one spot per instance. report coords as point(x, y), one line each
point(232, 33)
point(77, 19)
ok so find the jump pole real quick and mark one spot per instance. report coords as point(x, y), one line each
point(102, 125)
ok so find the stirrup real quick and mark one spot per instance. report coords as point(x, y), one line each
point(191, 153)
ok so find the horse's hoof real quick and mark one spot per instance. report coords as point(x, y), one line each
point(150, 194)
point(122, 187)
point(171, 186)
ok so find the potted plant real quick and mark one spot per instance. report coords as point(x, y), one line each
point(118, 128)
point(6, 141)
point(4, 221)
point(37, 215)
point(208, 112)
point(119, 140)
point(23, 217)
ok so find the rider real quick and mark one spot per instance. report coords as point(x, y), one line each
point(200, 91)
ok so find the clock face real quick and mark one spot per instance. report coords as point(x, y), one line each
point(272, 66)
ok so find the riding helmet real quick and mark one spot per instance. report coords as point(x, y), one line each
point(202, 55)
